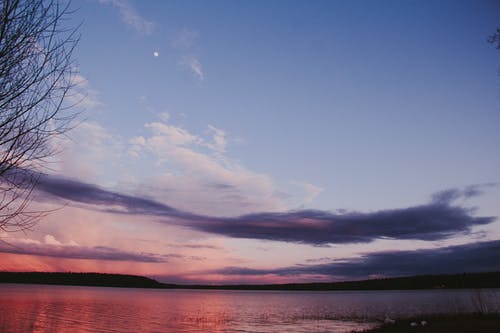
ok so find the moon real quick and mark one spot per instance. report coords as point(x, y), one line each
point(156, 54)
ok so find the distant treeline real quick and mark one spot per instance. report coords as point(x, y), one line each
point(453, 281)
point(80, 279)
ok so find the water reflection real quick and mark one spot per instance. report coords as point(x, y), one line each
point(30, 308)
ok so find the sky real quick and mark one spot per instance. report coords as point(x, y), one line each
point(275, 141)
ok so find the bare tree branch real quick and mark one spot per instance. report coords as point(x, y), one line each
point(495, 38)
point(36, 76)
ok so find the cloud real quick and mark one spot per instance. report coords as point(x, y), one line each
point(186, 163)
point(88, 151)
point(476, 257)
point(84, 193)
point(130, 16)
point(53, 248)
point(219, 140)
point(172, 135)
point(82, 95)
point(432, 221)
point(316, 227)
point(455, 194)
point(310, 191)
point(185, 39)
point(194, 65)
point(164, 116)
point(184, 42)
point(136, 145)
point(196, 246)
point(51, 240)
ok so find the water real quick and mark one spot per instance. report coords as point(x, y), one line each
point(38, 308)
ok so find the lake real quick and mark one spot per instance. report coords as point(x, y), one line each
point(43, 308)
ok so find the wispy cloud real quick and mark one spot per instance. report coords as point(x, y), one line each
point(84, 193)
point(476, 257)
point(311, 191)
point(82, 95)
point(172, 135)
point(185, 39)
point(460, 193)
point(87, 151)
point(219, 139)
point(51, 247)
point(431, 221)
point(130, 16)
point(195, 246)
point(189, 162)
point(194, 65)
point(184, 42)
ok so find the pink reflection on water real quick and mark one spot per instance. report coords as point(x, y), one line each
point(31, 308)
point(81, 309)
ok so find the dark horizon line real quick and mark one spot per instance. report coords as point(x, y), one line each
point(475, 280)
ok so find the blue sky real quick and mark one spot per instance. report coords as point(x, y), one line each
point(229, 108)
point(350, 96)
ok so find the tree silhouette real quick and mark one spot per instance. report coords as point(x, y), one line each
point(36, 78)
point(495, 39)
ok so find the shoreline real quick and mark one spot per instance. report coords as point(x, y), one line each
point(488, 280)
point(456, 323)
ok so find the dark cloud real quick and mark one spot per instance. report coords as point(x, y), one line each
point(439, 219)
point(316, 260)
point(222, 186)
point(195, 246)
point(426, 222)
point(78, 252)
point(476, 257)
point(450, 195)
point(85, 193)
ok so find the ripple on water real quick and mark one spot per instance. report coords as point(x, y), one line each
point(27, 308)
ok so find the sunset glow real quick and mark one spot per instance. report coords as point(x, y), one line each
point(274, 142)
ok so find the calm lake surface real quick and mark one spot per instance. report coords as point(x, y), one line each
point(39, 308)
